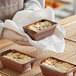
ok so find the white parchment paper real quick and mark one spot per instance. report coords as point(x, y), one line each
point(54, 43)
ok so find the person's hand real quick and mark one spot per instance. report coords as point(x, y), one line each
point(15, 37)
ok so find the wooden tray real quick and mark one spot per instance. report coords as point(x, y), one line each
point(71, 31)
point(70, 50)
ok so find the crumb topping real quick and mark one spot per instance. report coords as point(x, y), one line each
point(63, 66)
point(17, 57)
point(39, 26)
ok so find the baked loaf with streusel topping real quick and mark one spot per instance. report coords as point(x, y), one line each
point(62, 66)
point(39, 26)
point(17, 57)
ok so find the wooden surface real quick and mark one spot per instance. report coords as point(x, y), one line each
point(67, 20)
point(71, 31)
point(5, 43)
point(70, 51)
point(68, 55)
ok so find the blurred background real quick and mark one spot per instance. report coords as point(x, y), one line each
point(62, 8)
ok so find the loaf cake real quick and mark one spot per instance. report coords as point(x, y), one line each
point(59, 65)
point(17, 57)
point(39, 26)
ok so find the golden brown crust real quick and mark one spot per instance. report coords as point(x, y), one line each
point(17, 57)
point(39, 26)
point(63, 66)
